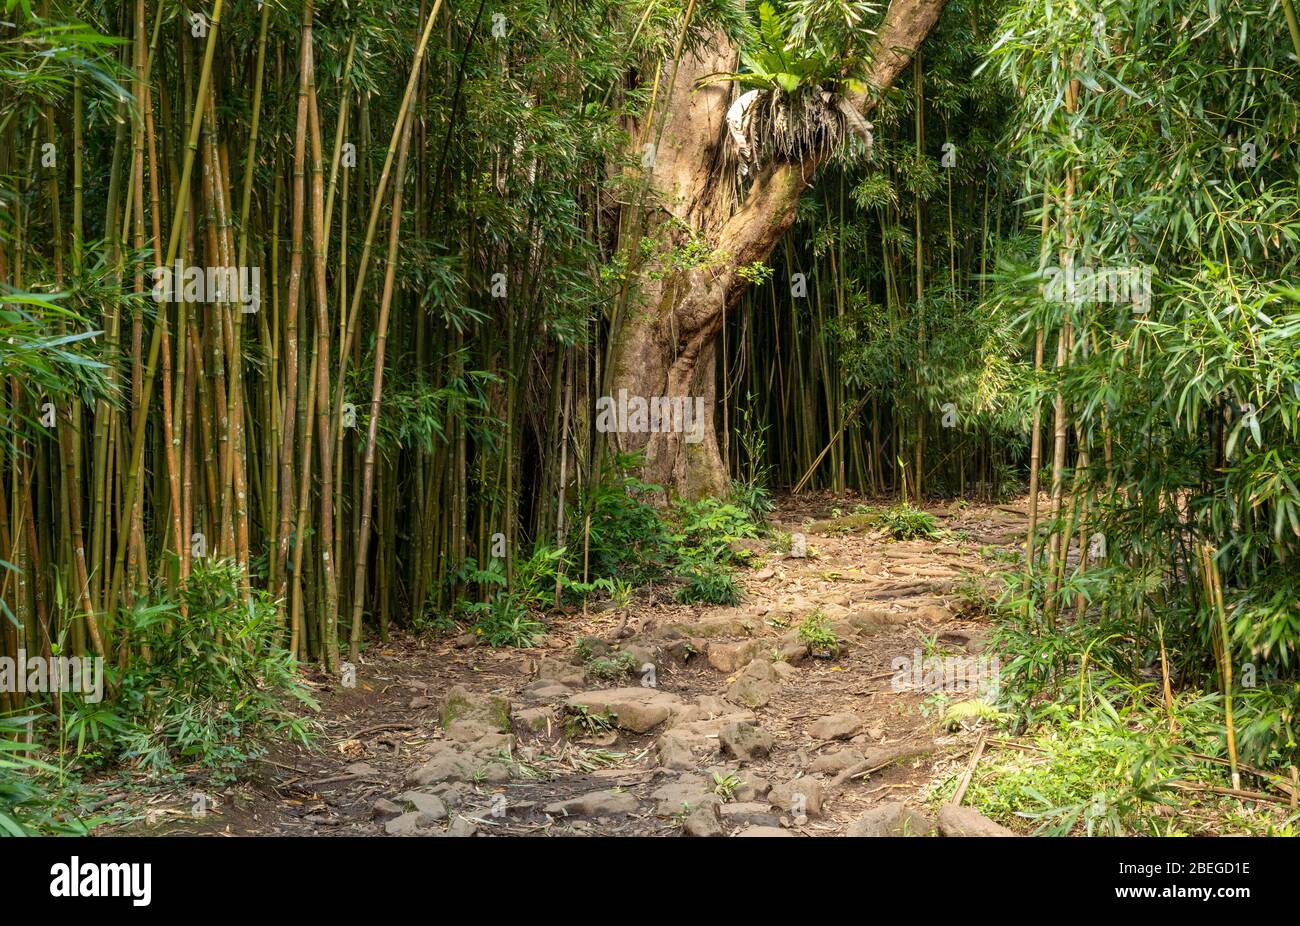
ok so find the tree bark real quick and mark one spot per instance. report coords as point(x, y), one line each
point(665, 344)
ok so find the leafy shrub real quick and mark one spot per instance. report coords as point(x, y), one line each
point(32, 802)
point(505, 620)
point(707, 582)
point(706, 529)
point(753, 498)
point(626, 535)
point(903, 522)
point(215, 690)
point(612, 667)
point(817, 633)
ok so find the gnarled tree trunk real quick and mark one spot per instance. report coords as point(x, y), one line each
point(665, 343)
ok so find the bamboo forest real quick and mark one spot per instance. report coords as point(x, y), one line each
point(775, 418)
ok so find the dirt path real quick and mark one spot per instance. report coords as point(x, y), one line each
point(717, 721)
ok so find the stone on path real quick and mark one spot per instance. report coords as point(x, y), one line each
point(749, 813)
point(637, 710)
point(839, 726)
point(967, 821)
point(893, 818)
point(595, 804)
point(802, 795)
point(835, 762)
point(729, 658)
point(703, 820)
point(756, 686)
point(469, 715)
point(430, 805)
point(687, 792)
point(745, 741)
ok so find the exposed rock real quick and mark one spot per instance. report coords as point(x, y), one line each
point(384, 809)
point(461, 827)
point(590, 647)
point(713, 707)
point(430, 805)
point(756, 686)
point(543, 690)
point(484, 758)
point(749, 813)
point(893, 818)
point(703, 820)
point(445, 764)
point(637, 710)
point(595, 804)
point(489, 711)
point(744, 741)
point(642, 653)
point(966, 821)
point(693, 735)
point(560, 673)
point(803, 795)
point(973, 641)
point(535, 718)
point(784, 671)
point(680, 652)
point(448, 793)
point(728, 658)
point(792, 651)
point(411, 824)
point(835, 762)
point(686, 792)
point(674, 751)
point(871, 622)
point(722, 622)
point(840, 726)
point(753, 789)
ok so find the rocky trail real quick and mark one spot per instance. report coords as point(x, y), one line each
point(708, 721)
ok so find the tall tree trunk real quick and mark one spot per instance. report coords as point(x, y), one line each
point(664, 344)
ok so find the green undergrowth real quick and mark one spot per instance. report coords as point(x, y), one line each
point(1088, 743)
point(899, 522)
point(625, 541)
point(215, 694)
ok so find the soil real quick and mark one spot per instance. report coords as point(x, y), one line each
point(384, 738)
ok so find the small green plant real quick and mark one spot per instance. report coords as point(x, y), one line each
point(726, 786)
point(903, 522)
point(956, 714)
point(614, 667)
point(756, 273)
point(581, 722)
point(34, 798)
point(505, 621)
point(816, 632)
point(707, 583)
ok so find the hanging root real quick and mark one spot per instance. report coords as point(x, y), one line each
point(767, 125)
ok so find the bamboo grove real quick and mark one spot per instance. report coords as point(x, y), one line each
point(434, 209)
point(403, 182)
